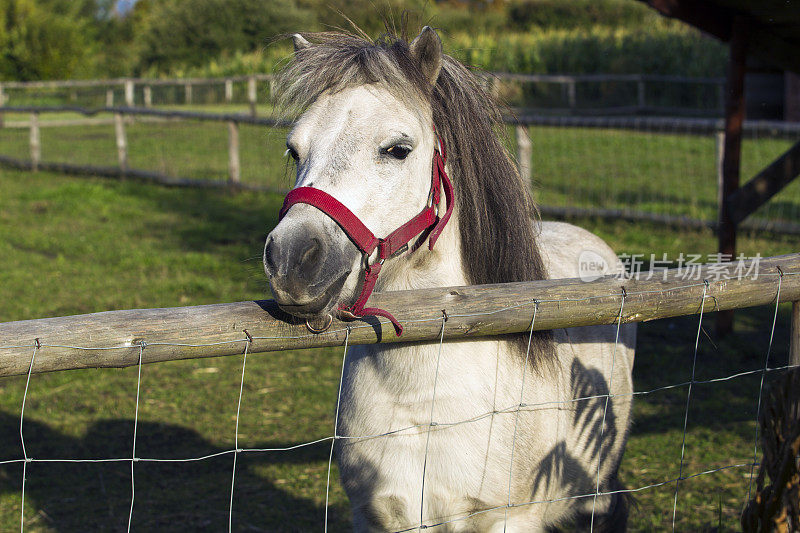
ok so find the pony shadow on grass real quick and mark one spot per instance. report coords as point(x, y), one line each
point(169, 496)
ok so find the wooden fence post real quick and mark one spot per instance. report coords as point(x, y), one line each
point(640, 94)
point(2, 103)
point(794, 333)
point(129, 93)
point(572, 94)
point(122, 142)
point(234, 168)
point(110, 98)
point(148, 96)
point(252, 97)
point(36, 142)
point(188, 93)
point(524, 153)
point(228, 91)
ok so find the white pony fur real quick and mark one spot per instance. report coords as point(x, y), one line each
point(389, 388)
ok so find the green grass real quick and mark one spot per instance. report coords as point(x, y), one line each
point(659, 173)
point(184, 149)
point(75, 245)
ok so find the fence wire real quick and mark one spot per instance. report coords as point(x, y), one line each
point(428, 427)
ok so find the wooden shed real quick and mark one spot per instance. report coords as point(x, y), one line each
point(770, 31)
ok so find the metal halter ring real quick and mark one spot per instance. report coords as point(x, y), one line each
point(323, 329)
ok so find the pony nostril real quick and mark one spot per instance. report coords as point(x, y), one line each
point(310, 254)
point(269, 260)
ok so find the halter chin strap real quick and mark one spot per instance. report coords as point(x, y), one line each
point(427, 222)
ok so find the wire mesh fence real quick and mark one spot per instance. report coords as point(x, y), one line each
point(660, 167)
point(127, 468)
point(645, 168)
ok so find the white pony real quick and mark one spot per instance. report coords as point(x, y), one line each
point(367, 137)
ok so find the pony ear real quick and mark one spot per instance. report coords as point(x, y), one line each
point(426, 49)
point(300, 42)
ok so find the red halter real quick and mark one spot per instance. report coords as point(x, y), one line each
point(427, 220)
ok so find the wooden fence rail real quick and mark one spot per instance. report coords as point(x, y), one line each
point(660, 125)
point(538, 78)
point(494, 80)
point(114, 338)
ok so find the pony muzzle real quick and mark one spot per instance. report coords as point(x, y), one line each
point(307, 270)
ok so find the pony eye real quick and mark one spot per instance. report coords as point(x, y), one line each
point(293, 153)
point(398, 152)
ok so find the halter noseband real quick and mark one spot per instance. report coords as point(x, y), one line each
point(427, 221)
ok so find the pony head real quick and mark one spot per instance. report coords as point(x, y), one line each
point(364, 139)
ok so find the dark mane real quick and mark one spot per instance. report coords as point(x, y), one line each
point(493, 203)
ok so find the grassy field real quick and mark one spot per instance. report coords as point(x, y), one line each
point(669, 173)
point(76, 245)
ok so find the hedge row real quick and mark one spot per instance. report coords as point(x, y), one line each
point(659, 50)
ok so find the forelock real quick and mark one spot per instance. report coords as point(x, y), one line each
point(336, 61)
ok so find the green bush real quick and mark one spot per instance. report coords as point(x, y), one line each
point(526, 15)
point(599, 50)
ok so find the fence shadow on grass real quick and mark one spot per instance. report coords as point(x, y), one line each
point(664, 357)
point(170, 496)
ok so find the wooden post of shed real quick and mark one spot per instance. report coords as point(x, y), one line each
point(234, 169)
point(732, 150)
point(524, 153)
point(719, 153)
point(188, 93)
point(36, 142)
point(228, 91)
point(122, 142)
point(129, 93)
point(252, 95)
point(148, 96)
point(110, 98)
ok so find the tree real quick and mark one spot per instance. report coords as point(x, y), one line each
point(190, 33)
point(44, 40)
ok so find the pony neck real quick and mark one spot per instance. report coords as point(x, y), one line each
point(424, 268)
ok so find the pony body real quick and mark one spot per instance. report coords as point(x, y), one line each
point(478, 435)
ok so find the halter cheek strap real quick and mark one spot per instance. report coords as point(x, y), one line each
point(428, 220)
